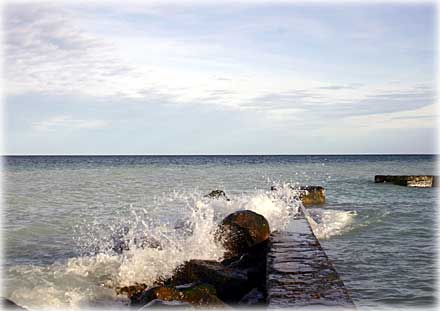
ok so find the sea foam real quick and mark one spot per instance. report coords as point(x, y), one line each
point(152, 248)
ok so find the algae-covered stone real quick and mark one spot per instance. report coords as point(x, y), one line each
point(195, 294)
point(241, 230)
point(230, 283)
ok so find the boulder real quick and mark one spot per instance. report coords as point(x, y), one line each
point(195, 294)
point(241, 230)
point(253, 263)
point(230, 283)
point(217, 194)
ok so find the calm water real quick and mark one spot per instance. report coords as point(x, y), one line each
point(64, 214)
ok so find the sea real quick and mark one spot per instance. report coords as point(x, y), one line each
point(66, 217)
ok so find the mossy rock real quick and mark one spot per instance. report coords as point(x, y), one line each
point(230, 283)
point(242, 230)
point(196, 294)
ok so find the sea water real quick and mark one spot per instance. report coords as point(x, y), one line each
point(66, 217)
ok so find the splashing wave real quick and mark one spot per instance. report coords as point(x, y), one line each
point(139, 246)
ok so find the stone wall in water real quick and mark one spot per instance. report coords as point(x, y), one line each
point(299, 272)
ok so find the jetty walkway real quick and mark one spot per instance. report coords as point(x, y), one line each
point(299, 273)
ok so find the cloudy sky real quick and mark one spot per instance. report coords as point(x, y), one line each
point(250, 78)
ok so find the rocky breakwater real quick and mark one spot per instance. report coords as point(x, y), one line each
point(238, 280)
point(419, 181)
point(308, 195)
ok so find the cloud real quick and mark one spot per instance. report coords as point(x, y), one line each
point(67, 122)
point(55, 50)
point(341, 102)
point(46, 51)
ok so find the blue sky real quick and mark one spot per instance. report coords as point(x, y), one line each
point(248, 78)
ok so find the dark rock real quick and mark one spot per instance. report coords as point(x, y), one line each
point(254, 297)
point(419, 181)
point(230, 283)
point(217, 194)
point(10, 305)
point(241, 230)
point(254, 264)
point(195, 294)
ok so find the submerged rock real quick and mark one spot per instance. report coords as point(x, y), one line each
point(241, 230)
point(195, 294)
point(217, 194)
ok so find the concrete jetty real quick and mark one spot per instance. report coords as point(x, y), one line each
point(299, 273)
point(420, 181)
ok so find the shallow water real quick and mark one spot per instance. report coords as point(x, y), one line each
point(64, 216)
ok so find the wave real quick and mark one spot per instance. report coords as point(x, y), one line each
point(139, 246)
point(327, 223)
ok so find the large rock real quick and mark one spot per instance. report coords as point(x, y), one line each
point(195, 294)
point(241, 230)
point(230, 283)
point(419, 181)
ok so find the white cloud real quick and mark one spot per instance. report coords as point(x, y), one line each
point(63, 122)
point(54, 50)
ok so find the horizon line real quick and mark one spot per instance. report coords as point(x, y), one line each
point(219, 154)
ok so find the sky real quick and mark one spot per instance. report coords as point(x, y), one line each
point(231, 78)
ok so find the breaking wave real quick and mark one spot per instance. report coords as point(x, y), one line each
point(140, 246)
point(327, 223)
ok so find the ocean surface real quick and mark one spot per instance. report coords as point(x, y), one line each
point(64, 218)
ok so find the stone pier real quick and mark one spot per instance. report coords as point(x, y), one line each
point(420, 181)
point(299, 272)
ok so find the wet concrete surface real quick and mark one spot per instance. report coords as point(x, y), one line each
point(299, 272)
